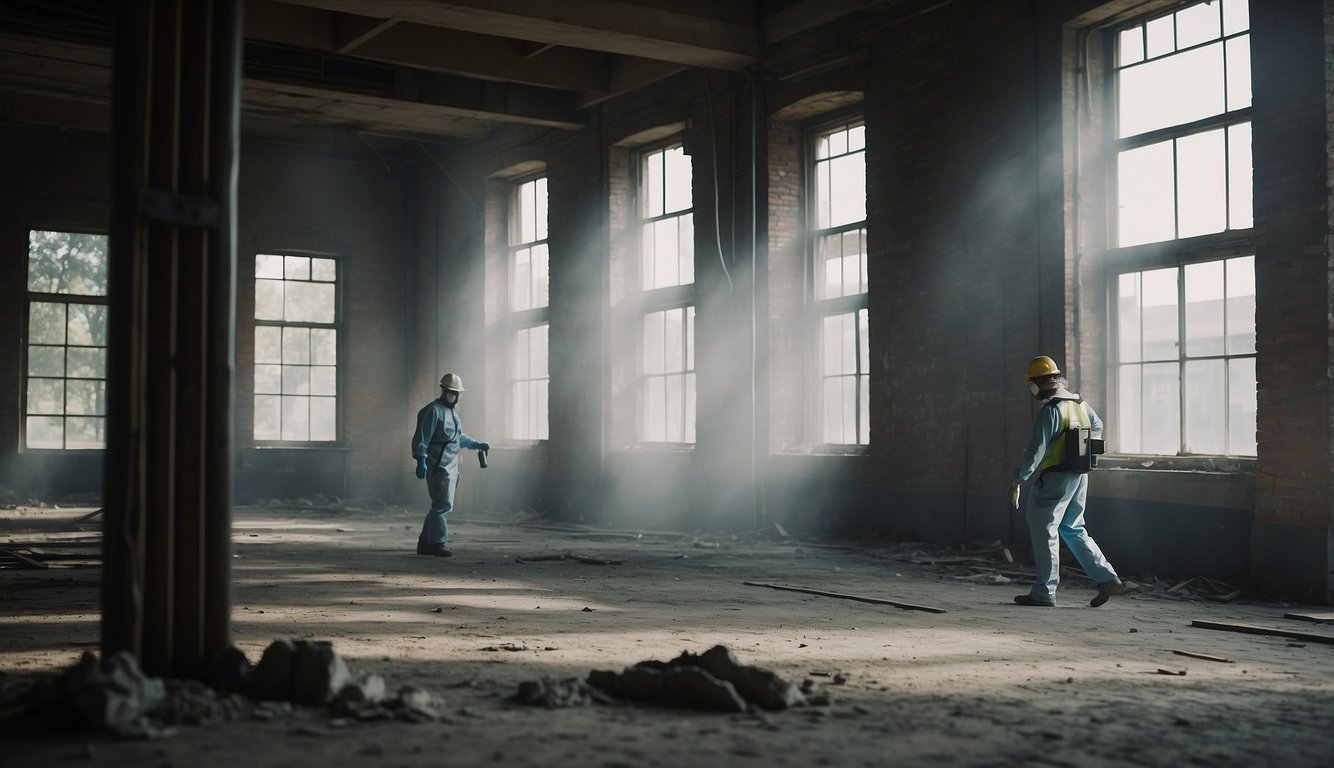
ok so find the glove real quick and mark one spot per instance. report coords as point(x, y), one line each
point(1014, 495)
point(483, 446)
point(421, 468)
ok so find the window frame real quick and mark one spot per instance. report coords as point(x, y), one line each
point(519, 320)
point(31, 297)
point(1176, 252)
point(818, 309)
point(338, 326)
point(662, 299)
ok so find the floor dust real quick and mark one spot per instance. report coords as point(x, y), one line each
point(986, 683)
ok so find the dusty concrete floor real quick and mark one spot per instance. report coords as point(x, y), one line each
point(987, 683)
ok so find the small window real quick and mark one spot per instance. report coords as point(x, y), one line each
point(296, 349)
point(837, 226)
point(66, 384)
point(529, 316)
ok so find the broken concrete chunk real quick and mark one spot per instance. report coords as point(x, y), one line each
point(570, 692)
point(679, 686)
point(272, 678)
point(318, 673)
point(412, 697)
point(367, 689)
point(756, 685)
point(114, 694)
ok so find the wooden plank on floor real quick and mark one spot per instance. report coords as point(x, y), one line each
point(27, 561)
point(1252, 629)
point(859, 598)
point(1317, 617)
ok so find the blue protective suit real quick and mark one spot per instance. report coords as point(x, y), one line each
point(1056, 505)
point(438, 438)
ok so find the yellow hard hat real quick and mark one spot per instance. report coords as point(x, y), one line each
point(452, 381)
point(1042, 366)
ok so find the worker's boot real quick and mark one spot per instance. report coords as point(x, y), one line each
point(1105, 592)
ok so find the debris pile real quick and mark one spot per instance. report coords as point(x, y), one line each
point(115, 695)
point(713, 680)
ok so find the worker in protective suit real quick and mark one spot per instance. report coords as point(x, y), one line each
point(1056, 501)
point(435, 446)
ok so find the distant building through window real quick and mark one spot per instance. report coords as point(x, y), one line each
point(296, 349)
point(65, 392)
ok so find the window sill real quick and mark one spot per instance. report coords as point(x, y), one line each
point(827, 449)
point(1222, 464)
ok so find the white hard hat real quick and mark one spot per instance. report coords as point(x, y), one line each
point(452, 381)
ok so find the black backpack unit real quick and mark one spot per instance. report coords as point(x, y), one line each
point(1081, 448)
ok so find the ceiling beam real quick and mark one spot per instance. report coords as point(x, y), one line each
point(611, 26)
point(809, 14)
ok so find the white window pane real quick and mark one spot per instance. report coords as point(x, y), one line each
point(1128, 318)
point(864, 337)
point(1178, 89)
point(269, 299)
point(1130, 46)
point(268, 412)
point(1236, 16)
point(654, 352)
point(675, 408)
point(540, 205)
point(655, 418)
point(268, 266)
point(539, 344)
point(852, 263)
point(296, 346)
point(1161, 395)
point(830, 266)
point(523, 354)
point(324, 380)
point(831, 340)
point(46, 396)
point(296, 267)
point(268, 344)
point(324, 346)
point(848, 363)
point(838, 142)
point(46, 323)
point(833, 411)
point(1161, 39)
point(1204, 309)
point(521, 281)
point(324, 270)
point(86, 398)
point(1197, 24)
point(666, 265)
point(822, 147)
point(296, 380)
point(1130, 416)
point(296, 418)
point(1146, 211)
point(678, 180)
point(526, 203)
point(674, 343)
point(864, 413)
point(541, 276)
point(309, 302)
point(1204, 407)
point(323, 418)
point(651, 189)
point(1201, 184)
point(86, 363)
point(541, 416)
point(1159, 314)
point(690, 338)
point(685, 244)
point(847, 191)
point(1240, 198)
point(45, 432)
point(85, 432)
point(1241, 406)
point(856, 138)
point(1241, 306)
point(268, 379)
point(822, 194)
point(46, 361)
point(1239, 72)
point(519, 410)
point(647, 257)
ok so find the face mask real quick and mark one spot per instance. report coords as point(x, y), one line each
point(1033, 387)
point(451, 398)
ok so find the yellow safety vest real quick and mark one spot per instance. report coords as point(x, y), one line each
point(1070, 416)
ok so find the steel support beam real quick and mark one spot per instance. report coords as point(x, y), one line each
point(175, 136)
